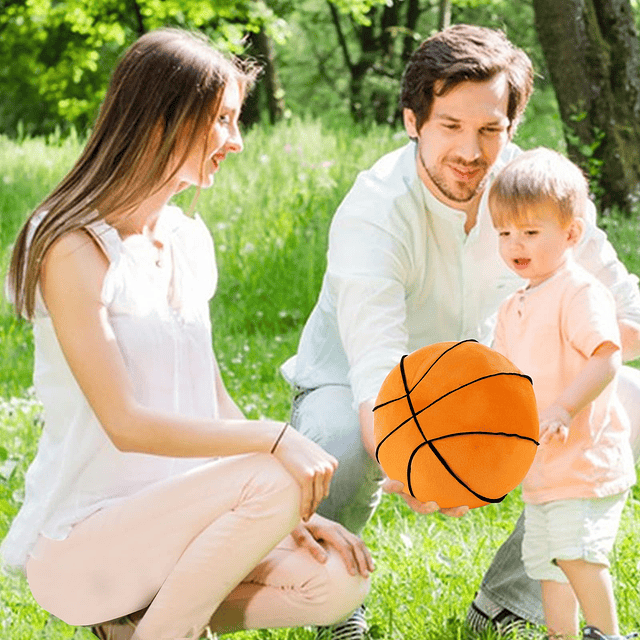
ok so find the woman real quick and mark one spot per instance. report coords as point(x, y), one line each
point(150, 491)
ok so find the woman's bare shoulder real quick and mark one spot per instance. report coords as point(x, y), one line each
point(75, 260)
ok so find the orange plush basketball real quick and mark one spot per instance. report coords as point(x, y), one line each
point(457, 423)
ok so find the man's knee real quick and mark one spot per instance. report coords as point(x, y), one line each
point(327, 416)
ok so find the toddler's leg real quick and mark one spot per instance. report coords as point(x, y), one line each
point(581, 535)
point(180, 546)
point(560, 609)
point(594, 590)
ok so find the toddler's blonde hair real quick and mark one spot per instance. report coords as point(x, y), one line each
point(538, 177)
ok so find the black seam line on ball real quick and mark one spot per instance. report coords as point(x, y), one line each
point(485, 433)
point(457, 344)
point(442, 355)
point(414, 416)
point(443, 462)
point(406, 388)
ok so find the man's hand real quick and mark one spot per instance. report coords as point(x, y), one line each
point(320, 532)
point(395, 486)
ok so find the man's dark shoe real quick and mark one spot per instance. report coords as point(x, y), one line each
point(354, 627)
point(499, 619)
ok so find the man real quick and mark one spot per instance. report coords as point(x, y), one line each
point(413, 260)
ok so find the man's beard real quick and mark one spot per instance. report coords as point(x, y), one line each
point(440, 182)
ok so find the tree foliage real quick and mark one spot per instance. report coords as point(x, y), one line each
point(339, 60)
point(341, 64)
point(52, 58)
point(342, 56)
point(56, 56)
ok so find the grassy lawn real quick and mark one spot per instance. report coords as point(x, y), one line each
point(269, 213)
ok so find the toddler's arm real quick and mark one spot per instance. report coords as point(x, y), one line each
point(599, 371)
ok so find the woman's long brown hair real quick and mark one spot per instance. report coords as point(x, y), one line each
point(169, 81)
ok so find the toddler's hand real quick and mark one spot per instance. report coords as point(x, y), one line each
point(554, 423)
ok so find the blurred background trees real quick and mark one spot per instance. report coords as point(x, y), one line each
point(340, 61)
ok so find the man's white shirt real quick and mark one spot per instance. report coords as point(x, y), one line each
point(402, 273)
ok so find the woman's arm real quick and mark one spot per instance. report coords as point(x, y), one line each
point(71, 282)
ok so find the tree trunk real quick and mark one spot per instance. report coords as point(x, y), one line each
point(357, 70)
point(375, 55)
point(411, 20)
point(388, 30)
point(268, 83)
point(444, 14)
point(592, 53)
point(140, 27)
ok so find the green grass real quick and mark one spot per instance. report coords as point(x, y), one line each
point(269, 213)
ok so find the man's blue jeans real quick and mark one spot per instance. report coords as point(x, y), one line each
point(506, 582)
point(327, 416)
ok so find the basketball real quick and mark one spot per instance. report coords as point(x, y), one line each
point(457, 424)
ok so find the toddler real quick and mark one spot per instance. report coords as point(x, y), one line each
point(560, 328)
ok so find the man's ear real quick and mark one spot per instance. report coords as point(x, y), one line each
point(575, 231)
point(410, 123)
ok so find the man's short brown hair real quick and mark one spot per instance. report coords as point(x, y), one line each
point(461, 53)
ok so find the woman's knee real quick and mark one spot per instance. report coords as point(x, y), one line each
point(346, 592)
point(275, 484)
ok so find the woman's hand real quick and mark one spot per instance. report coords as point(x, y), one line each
point(351, 548)
point(395, 486)
point(310, 465)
